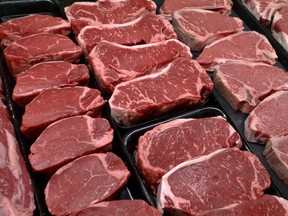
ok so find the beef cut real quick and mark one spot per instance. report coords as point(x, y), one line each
point(181, 84)
point(244, 85)
point(222, 178)
point(170, 6)
point(267, 205)
point(85, 181)
point(126, 63)
point(32, 24)
point(81, 14)
point(27, 51)
point(149, 28)
point(268, 119)
point(120, 208)
point(16, 193)
point(276, 154)
point(280, 27)
point(246, 46)
point(187, 138)
point(67, 139)
point(58, 103)
point(198, 28)
point(45, 75)
point(264, 10)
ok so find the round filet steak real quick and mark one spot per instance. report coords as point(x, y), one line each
point(172, 143)
point(268, 119)
point(85, 181)
point(68, 139)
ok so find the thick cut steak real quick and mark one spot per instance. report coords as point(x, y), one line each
point(267, 205)
point(120, 208)
point(264, 10)
point(244, 85)
point(85, 181)
point(246, 46)
point(67, 139)
point(170, 6)
point(198, 28)
point(276, 154)
point(222, 178)
point(81, 14)
point(32, 24)
point(16, 193)
point(268, 119)
point(149, 28)
point(187, 138)
point(280, 27)
point(45, 75)
point(126, 63)
point(25, 52)
point(181, 84)
point(58, 103)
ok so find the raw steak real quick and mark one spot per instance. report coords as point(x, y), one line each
point(81, 14)
point(126, 63)
point(198, 28)
point(264, 10)
point(268, 119)
point(67, 139)
point(266, 205)
point(120, 208)
point(181, 84)
point(222, 178)
point(32, 24)
point(99, 177)
point(244, 85)
point(276, 154)
point(187, 138)
point(170, 6)
point(247, 46)
point(16, 193)
point(45, 75)
point(280, 27)
point(25, 52)
point(58, 103)
point(149, 28)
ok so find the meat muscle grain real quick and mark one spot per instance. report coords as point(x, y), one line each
point(68, 139)
point(58, 103)
point(99, 177)
point(188, 138)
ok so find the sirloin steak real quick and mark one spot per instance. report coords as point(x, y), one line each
point(149, 28)
point(267, 205)
point(222, 178)
point(244, 85)
point(280, 27)
point(268, 119)
point(187, 138)
point(246, 46)
point(45, 75)
point(32, 24)
point(85, 181)
point(181, 84)
point(16, 193)
point(67, 139)
point(126, 63)
point(198, 28)
point(81, 14)
point(171, 6)
point(276, 154)
point(264, 10)
point(120, 208)
point(58, 103)
point(25, 52)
